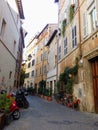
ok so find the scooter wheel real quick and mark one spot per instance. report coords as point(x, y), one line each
point(16, 115)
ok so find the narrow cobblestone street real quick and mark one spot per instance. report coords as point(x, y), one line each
point(44, 115)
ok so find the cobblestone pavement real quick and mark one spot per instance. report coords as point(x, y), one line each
point(44, 115)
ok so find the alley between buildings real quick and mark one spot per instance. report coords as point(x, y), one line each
point(44, 115)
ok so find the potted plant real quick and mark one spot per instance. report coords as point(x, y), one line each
point(45, 93)
point(49, 98)
point(5, 103)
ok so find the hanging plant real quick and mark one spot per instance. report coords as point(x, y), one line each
point(63, 27)
point(71, 12)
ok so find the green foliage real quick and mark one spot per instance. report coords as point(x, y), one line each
point(4, 103)
point(67, 77)
point(71, 12)
point(42, 86)
point(69, 85)
point(63, 27)
point(58, 86)
point(40, 90)
point(42, 83)
point(46, 91)
point(31, 90)
point(22, 77)
point(50, 92)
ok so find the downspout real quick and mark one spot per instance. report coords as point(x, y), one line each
point(79, 19)
point(57, 39)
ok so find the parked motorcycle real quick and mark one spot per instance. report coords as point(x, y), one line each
point(9, 107)
point(14, 109)
point(21, 99)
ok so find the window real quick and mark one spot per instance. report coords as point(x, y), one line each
point(89, 3)
point(27, 75)
point(74, 37)
point(59, 53)
point(40, 70)
point(65, 46)
point(33, 62)
point(37, 60)
point(29, 64)
point(3, 27)
point(85, 31)
point(10, 74)
point(33, 73)
point(45, 55)
point(55, 60)
point(45, 69)
point(93, 19)
point(41, 57)
point(75, 3)
point(14, 46)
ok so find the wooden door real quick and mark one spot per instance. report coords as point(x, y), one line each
point(94, 65)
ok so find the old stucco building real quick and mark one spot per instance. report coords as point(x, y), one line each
point(37, 65)
point(11, 43)
point(52, 61)
point(78, 37)
point(30, 60)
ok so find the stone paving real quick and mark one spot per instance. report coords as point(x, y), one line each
point(44, 115)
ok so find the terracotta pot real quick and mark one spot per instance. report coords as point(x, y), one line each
point(49, 98)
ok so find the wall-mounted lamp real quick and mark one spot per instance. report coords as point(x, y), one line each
point(81, 62)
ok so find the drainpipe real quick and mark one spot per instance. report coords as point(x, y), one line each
point(79, 19)
point(57, 36)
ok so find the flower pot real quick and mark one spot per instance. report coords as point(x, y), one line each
point(49, 98)
point(2, 121)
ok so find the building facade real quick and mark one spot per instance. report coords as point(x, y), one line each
point(30, 60)
point(52, 62)
point(78, 38)
point(11, 43)
point(42, 54)
point(37, 66)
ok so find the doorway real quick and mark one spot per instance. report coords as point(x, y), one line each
point(94, 66)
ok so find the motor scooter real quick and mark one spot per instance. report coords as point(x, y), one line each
point(14, 112)
point(21, 100)
point(9, 107)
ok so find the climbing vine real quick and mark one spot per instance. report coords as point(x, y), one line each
point(67, 77)
point(63, 27)
point(71, 12)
